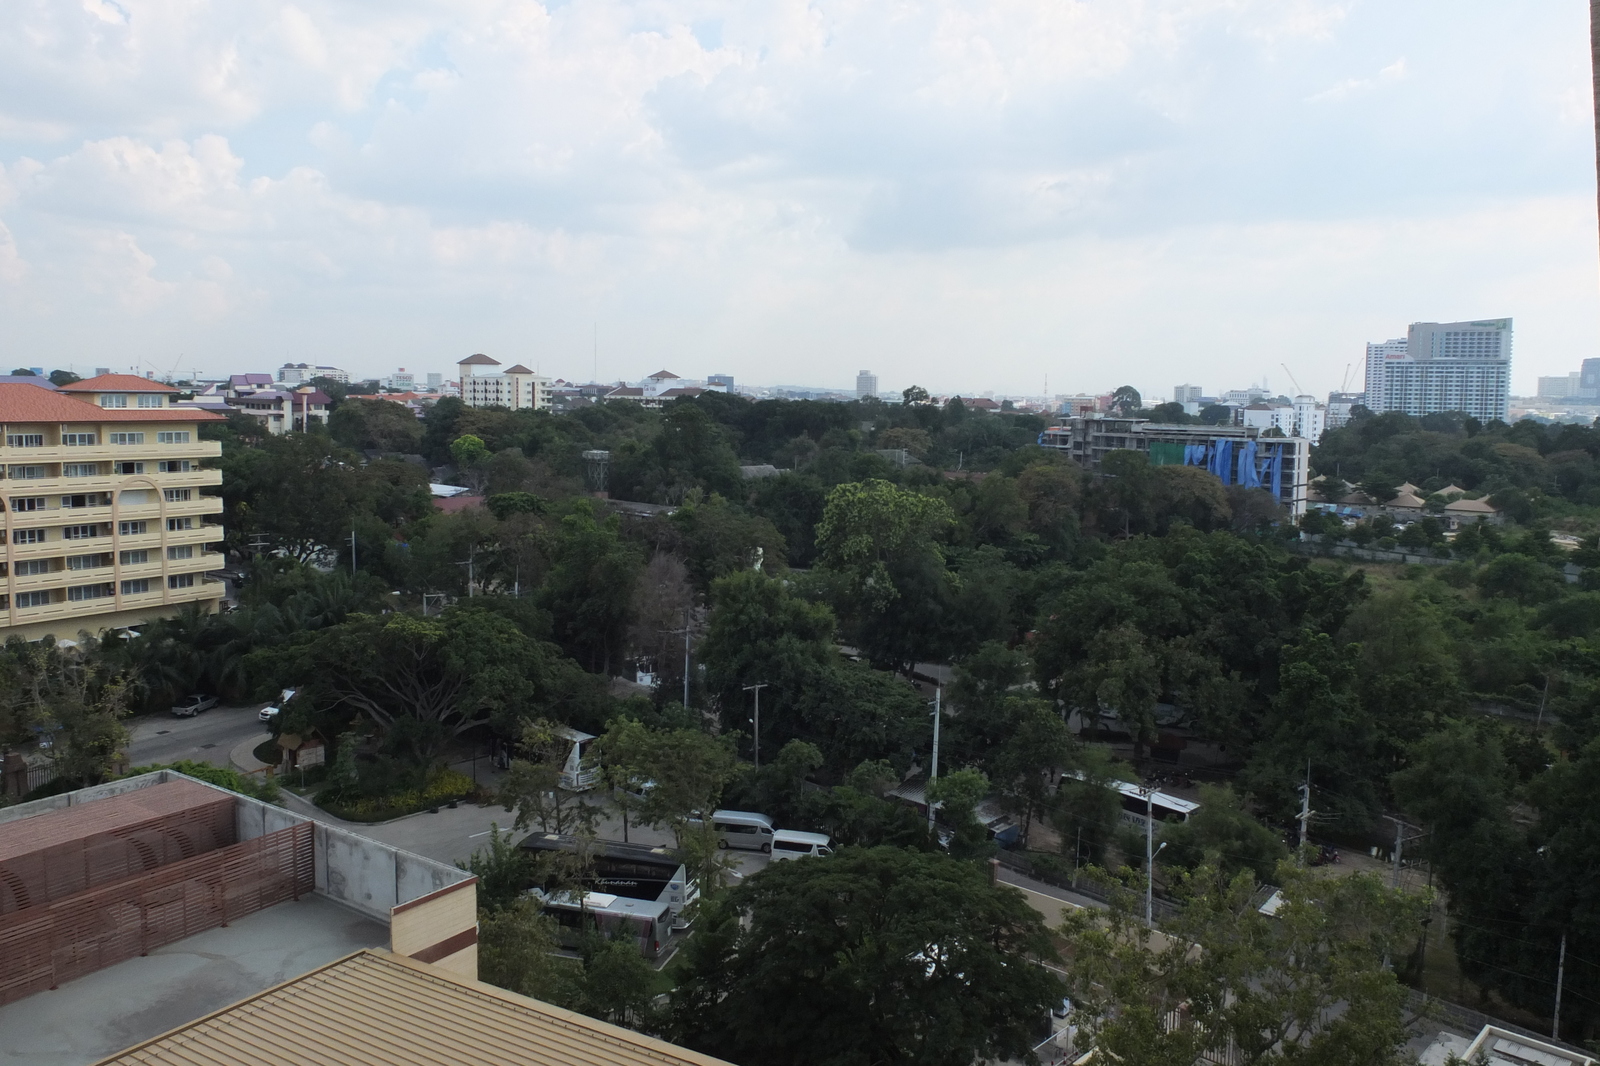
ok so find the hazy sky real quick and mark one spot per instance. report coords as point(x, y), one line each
point(968, 196)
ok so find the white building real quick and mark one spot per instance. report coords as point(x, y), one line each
point(435, 382)
point(1444, 366)
point(866, 385)
point(1339, 405)
point(516, 387)
point(1186, 394)
point(302, 373)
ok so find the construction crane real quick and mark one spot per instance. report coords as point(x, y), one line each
point(1298, 390)
point(1345, 381)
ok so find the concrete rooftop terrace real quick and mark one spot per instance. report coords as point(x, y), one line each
point(100, 1014)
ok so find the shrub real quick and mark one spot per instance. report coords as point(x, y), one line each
point(245, 784)
point(442, 787)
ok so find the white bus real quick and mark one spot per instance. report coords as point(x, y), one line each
point(645, 922)
point(575, 775)
point(1138, 806)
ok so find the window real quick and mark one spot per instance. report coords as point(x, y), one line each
point(134, 558)
point(173, 436)
point(80, 469)
point(175, 524)
point(33, 599)
point(90, 592)
point(174, 466)
point(182, 551)
point(132, 529)
point(128, 468)
point(77, 440)
point(178, 495)
point(24, 440)
point(30, 567)
point(135, 586)
point(180, 581)
point(26, 473)
point(113, 400)
point(127, 438)
point(27, 536)
point(86, 499)
point(87, 562)
point(80, 532)
point(149, 401)
point(27, 503)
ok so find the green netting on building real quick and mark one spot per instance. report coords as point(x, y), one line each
point(1164, 453)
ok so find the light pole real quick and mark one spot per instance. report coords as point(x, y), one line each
point(1150, 886)
point(933, 771)
point(757, 690)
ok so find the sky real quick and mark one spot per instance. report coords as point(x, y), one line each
point(1007, 197)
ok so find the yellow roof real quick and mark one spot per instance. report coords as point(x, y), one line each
point(380, 1009)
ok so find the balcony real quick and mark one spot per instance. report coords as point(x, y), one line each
point(148, 452)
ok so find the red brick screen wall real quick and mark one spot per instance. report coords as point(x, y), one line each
point(44, 945)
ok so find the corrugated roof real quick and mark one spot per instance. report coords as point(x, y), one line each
point(27, 403)
point(27, 835)
point(372, 1008)
point(117, 383)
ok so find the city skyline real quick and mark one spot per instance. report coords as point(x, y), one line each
point(966, 200)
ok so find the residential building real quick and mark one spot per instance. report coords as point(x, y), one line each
point(283, 411)
point(302, 373)
point(435, 382)
point(1444, 366)
point(107, 523)
point(866, 385)
point(1078, 405)
point(1245, 397)
point(516, 387)
point(1237, 455)
point(1310, 418)
point(1340, 405)
point(1186, 394)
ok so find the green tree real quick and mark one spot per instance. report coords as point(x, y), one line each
point(1025, 767)
point(881, 544)
point(872, 955)
point(1126, 400)
point(957, 796)
point(532, 786)
point(589, 588)
point(1223, 835)
point(1307, 985)
point(761, 632)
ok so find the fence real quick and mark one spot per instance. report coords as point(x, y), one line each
point(1019, 861)
point(42, 946)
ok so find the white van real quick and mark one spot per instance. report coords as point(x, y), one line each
point(742, 829)
point(789, 844)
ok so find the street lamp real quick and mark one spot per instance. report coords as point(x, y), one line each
point(1149, 886)
point(757, 690)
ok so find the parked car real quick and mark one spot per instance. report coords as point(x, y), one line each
point(190, 706)
point(267, 714)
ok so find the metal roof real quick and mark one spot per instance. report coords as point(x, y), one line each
point(372, 1008)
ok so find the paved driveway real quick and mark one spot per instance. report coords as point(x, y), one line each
point(208, 737)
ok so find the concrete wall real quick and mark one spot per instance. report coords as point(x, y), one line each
point(370, 876)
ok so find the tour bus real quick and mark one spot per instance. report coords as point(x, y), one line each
point(636, 871)
point(1137, 806)
point(647, 923)
point(575, 776)
point(742, 829)
point(790, 844)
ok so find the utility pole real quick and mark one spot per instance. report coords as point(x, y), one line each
point(1399, 844)
point(757, 690)
point(934, 771)
point(1305, 809)
point(1149, 856)
point(1561, 972)
point(352, 553)
point(686, 630)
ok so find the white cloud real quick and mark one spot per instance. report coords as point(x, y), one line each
point(962, 194)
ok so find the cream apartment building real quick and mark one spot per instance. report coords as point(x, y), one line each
point(106, 523)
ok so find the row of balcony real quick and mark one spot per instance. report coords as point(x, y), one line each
point(155, 569)
point(51, 517)
point(156, 537)
point(73, 610)
point(58, 486)
point(150, 451)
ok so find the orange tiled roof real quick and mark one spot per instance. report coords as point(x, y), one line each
point(117, 383)
point(29, 403)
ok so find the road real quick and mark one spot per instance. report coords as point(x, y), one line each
point(455, 835)
point(208, 737)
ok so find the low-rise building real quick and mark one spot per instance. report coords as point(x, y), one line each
point(283, 411)
point(517, 387)
point(1237, 455)
point(107, 521)
point(303, 373)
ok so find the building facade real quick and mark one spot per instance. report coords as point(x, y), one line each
point(1237, 455)
point(517, 387)
point(283, 411)
point(1444, 366)
point(1186, 394)
point(106, 521)
point(1340, 405)
point(866, 385)
point(302, 373)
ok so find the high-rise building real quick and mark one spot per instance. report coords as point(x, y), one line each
point(1443, 366)
point(1339, 405)
point(517, 387)
point(435, 382)
point(1186, 393)
point(107, 522)
point(866, 385)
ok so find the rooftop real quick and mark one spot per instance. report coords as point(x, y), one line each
point(104, 1012)
point(117, 383)
point(478, 360)
point(29, 403)
point(382, 1009)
